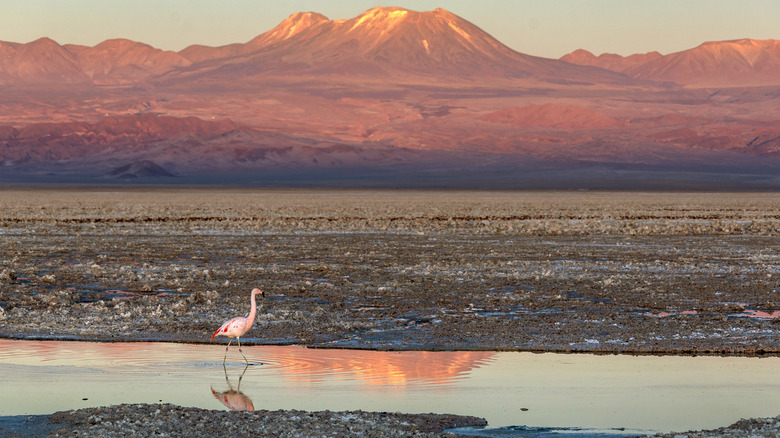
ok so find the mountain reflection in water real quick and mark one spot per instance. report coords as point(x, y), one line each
point(378, 368)
point(295, 364)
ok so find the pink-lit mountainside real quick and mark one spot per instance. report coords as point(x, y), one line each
point(392, 97)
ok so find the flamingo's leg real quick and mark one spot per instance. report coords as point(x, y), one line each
point(242, 376)
point(226, 351)
point(239, 350)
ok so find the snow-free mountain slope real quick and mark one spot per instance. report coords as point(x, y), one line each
point(744, 62)
point(291, 26)
point(387, 42)
point(39, 61)
point(735, 63)
point(609, 61)
point(420, 97)
point(124, 61)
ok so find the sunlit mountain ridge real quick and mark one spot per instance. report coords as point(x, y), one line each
point(428, 97)
point(734, 63)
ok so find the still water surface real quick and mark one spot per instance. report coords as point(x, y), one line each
point(507, 388)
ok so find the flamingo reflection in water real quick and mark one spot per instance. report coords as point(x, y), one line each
point(234, 398)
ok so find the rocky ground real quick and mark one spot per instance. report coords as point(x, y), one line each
point(746, 428)
point(604, 272)
point(164, 420)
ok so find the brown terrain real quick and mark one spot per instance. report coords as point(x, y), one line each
point(587, 272)
point(604, 272)
point(392, 96)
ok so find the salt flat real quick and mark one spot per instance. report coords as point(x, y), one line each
point(689, 273)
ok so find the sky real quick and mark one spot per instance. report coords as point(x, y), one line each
point(549, 28)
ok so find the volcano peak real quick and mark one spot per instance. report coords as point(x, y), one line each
point(293, 25)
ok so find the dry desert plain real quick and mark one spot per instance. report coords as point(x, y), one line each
point(656, 273)
point(664, 273)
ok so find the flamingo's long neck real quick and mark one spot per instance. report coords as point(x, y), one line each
point(251, 317)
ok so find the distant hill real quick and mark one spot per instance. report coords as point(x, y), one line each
point(610, 61)
point(117, 61)
point(736, 63)
point(139, 169)
point(553, 116)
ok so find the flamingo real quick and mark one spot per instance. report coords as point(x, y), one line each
point(236, 327)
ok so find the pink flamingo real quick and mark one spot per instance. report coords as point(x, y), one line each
point(236, 327)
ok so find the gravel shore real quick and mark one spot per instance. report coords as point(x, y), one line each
point(746, 428)
point(166, 420)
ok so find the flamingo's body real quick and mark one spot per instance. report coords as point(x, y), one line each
point(236, 327)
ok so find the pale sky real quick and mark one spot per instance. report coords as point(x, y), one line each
point(549, 28)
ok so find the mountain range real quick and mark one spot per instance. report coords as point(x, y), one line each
point(737, 63)
point(390, 97)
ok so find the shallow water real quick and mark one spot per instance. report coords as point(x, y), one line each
point(644, 393)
